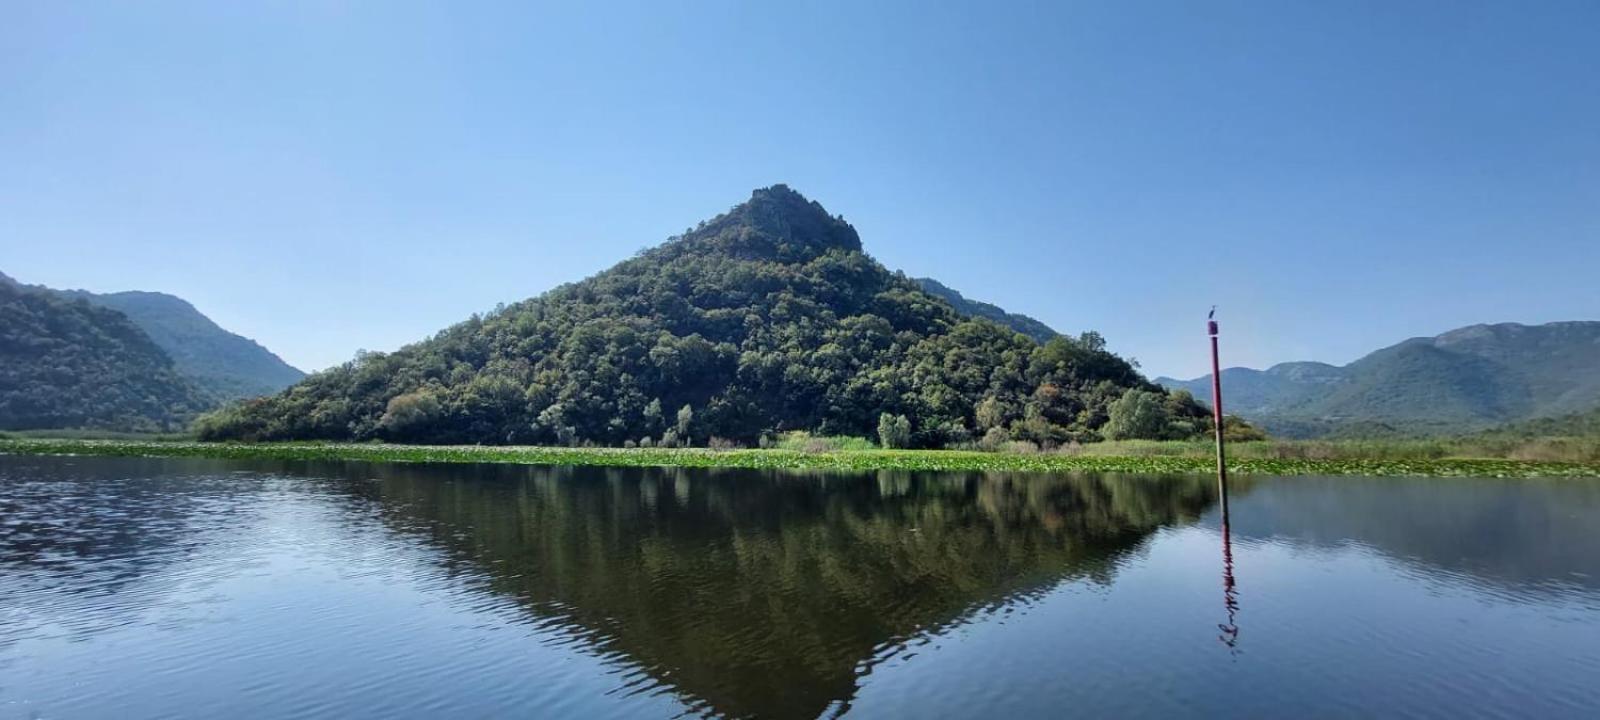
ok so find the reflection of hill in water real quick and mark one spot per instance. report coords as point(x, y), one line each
point(1519, 535)
point(754, 593)
point(742, 592)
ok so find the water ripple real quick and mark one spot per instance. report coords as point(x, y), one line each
point(204, 589)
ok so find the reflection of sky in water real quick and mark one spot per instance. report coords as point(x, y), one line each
point(1534, 538)
point(143, 587)
point(1333, 631)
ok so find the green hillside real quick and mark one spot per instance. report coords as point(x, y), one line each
point(71, 364)
point(765, 319)
point(226, 365)
point(1464, 380)
point(1024, 324)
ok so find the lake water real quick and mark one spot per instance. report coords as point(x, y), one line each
point(147, 588)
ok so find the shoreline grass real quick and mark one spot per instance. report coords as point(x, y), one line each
point(1571, 450)
point(1132, 460)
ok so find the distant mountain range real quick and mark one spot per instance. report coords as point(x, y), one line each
point(126, 361)
point(227, 365)
point(765, 319)
point(1466, 379)
point(71, 364)
point(1039, 331)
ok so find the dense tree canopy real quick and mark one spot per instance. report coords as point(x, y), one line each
point(766, 319)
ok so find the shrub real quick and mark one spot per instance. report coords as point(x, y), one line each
point(951, 434)
point(411, 414)
point(1556, 450)
point(816, 445)
point(1021, 447)
point(995, 439)
point(802, 441)
point(721, 443)
point(1235, 429)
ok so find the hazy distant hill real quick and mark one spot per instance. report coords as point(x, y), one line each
point(223, 363)
point(1466, 379)
point(66, 363)
point(126, 361)
point(767, 318)
point(1039, 331)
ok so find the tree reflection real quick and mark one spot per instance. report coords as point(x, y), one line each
point(768, 594)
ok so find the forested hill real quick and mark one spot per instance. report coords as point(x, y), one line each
point(226, 365)
point(68, 363)
point(765, 319)
point(1024, 324)
point(1466, 379)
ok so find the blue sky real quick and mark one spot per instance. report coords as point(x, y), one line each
point(331, 176)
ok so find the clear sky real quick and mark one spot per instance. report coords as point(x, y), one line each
point(331, 176)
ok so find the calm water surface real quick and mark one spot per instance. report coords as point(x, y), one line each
point(191, 588)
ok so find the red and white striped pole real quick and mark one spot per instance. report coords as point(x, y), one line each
point(1216, 409)
point(1230, 598)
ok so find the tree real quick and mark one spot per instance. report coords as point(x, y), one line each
point(411, 414)
point(1235, 429)
point(991, 413)
point(995, 439)
point(1037, 428)
point(1137, 415)
point(894, 431)
point(685, 422)
point(653, 418)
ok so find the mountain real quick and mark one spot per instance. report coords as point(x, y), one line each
point(222, 364)
point(1466, 379)
point(1039, 331)
point(67, 363)
point(765, 319)
point(226, 365)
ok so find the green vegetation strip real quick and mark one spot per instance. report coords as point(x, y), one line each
point(782, 459)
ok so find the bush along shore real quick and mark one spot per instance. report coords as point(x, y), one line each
point(857, 459)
